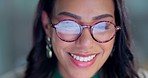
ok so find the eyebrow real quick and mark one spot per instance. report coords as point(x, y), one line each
point(79, 17)
point(70, 15)
point(102, 16)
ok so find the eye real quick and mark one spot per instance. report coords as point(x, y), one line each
point(103, 26)
point(68, 26)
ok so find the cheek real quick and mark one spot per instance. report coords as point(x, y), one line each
point(107, 47)
point(58, 45)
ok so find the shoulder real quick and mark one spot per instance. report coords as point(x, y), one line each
point(143, 73)
point(16, 73)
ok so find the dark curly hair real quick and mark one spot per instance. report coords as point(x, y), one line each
point(120, 65)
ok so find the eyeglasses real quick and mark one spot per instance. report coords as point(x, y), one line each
point(69, 30)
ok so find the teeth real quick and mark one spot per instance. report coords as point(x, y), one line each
point(83, 59)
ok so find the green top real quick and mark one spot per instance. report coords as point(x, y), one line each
point(58, 75)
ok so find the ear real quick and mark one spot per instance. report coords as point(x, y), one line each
point(45, 24)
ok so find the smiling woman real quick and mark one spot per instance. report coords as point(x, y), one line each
point(81, 39)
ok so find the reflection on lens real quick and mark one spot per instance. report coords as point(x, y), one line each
point(103, 31)
point(68, 30)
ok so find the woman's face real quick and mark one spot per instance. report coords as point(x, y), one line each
point(85, 12)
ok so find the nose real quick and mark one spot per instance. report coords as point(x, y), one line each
point(85, 41)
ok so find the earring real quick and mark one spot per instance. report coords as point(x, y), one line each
point(48, 48)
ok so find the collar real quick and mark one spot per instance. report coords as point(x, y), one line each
point(58, 75)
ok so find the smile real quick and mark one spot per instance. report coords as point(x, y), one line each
point(83, 59)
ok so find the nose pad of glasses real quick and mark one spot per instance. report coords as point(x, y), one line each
point(85, 33)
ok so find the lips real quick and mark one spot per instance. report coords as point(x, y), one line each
point(83, 60)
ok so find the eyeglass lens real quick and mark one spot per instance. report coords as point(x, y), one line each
point(69, 30)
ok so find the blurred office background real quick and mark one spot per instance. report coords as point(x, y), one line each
point(16, 19)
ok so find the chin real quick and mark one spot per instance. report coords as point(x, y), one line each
point(81, 76)
point(81, 73)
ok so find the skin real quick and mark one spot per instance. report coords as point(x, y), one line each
point(87, 10)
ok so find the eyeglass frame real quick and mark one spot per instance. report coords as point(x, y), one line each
point(86, 26)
